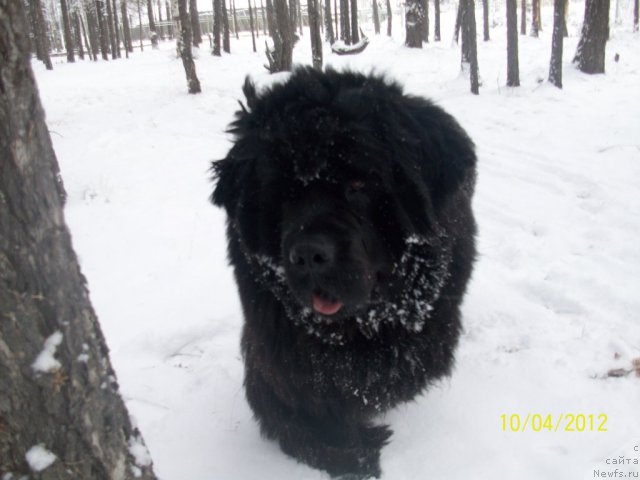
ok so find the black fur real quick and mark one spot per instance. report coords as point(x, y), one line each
point(342, 192)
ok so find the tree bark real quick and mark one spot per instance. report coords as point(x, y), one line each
point(436, 20)
point(66, 26)
point(58, 389)
point(94, 35)
point(555, 67)
point(217, 27)
point(469, 44)
point(328, 23)
point(226, 41)
point(116, 24)
point(196, 34)
point(413, 20)
point(43, 38)
point(314, 30)
point(104, 33)
point(345, 27)
point(590, 53)
point(485, 20)
point(513, 67)
point(77, 34)
point(184, 47)
point(376, 16)
point(355, 35)
point(425, 21)
point(523, 17)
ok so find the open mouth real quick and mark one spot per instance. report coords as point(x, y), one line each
point(325, 304)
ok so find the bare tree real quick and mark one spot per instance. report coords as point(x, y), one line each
point(184, 47)
point(112, 36)
point(355, 36)
point(196, 33)
point(376, 16)
point(281, 57)
point(40, 32)
point(126, 29)
point(513, 67)
point(152, 25)
point(414, 17)
point(217, 27)
point(314, 29)
point(595, 33)
point(485, 20)
point(436, 20)
point(523, 17)
point(469, 44)
point(636, 15)
point(226, 40)
point(116, 30)
point(345, 27)
point(328, 22)
point(52, 404)
point(68, 37)
point(251, 25)
point(555, 67)
point(535, 18)
point(425, 21)
point(103, 29)
point(77, 33)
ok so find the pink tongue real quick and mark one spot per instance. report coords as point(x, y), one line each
point(326, 307)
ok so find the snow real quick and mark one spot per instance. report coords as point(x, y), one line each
point(45, 361)
point(39, 458)
point(552, 306)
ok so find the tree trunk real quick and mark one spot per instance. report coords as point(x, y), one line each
point(116, 29)
point(59, 392)
point(595, 33)
point(355, 35)
point(414, 17)
point(280, 59)
point(128, 45)
point(425, 21)
point(636, 15)
point(104, 34)
point(345, 28)
point(217, 27)
point(184, 47)
point(152, 25)
point(94, 35)
point(140, 27)
point(112, 36)
point(436, 20)
point(160, 27)
point(469, 44)
point(196, 33)
point(263, 14)
point(555, 67)
point(68, 37)
point(314, 30)
point(328, 22)
point(271, 22)
point(513, 67)
point(77, 33)
point(169, 19)
point(535, 18)
point(36, 45)
point(43, 38)
point(456, 30)
point(376, 16)
point(251, 25)
point(226, 41)
point(523, 17)
point(485, 20)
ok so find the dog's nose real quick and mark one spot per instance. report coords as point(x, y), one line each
point(312, 255)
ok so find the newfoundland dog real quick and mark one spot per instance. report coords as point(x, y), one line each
point(351, 234)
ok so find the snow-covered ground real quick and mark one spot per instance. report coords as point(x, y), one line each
point(552, 308)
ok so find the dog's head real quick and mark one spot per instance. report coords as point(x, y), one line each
point(332, 190)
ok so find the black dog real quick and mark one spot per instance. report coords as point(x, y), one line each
point(351, 234)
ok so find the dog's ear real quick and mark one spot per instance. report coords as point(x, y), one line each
point(229, 175)
point(448, 154)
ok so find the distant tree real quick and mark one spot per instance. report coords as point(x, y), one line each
point(436, 20)
point(523, 17)
point(52, 402)
point(376, 16)
point(87, 41)
point(535, 18)
point(235, 19)
point(169, 19)
point(565, 30)
point(140, 26)
point(636, 15)
point(555, 67)
point(456, 29)
point(513, 68)
point(595, 33)
point(68, 36)
point(355, 36)
point(103, 30)
point(226, 40)
point(345, 26)
point(264, 19)
point(281, 57)
point(217, 27)
point(77, 33)
point(112, 36)
point(314, 30)
point(485, 20)
point(389, 18)
point(116, 29)
point(469, 44)
point(152, 25)
point(251, 26)
point(271, 18)
point(184, 47)
point(160, 27)
point(40, 31)
point(293, 12)
point(328, 23)
point(425, 21)
point(94, 29)
point(196, 33)
point(126, 29)
point(414, 17)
